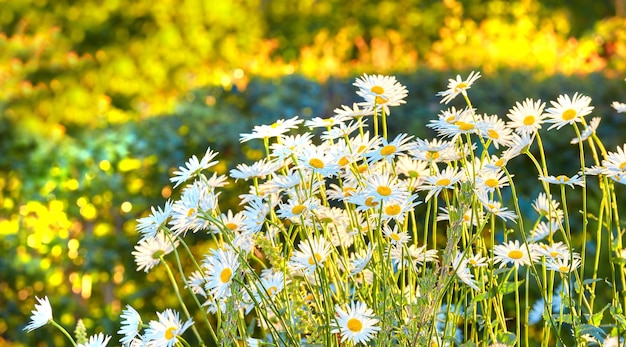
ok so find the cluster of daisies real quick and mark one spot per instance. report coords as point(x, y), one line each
point(338, 228)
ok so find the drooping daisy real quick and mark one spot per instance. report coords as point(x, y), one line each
point(148, 251)
point(460, 269)
point(589, 130)
point(527, 117)
point(615, 162)
point(41, 315)
point(520, 145)
point(220, 267)
point(562, 179)
point(193, 167)
point(445, 179)
point(276, 129)
point(563, 265)
point(99, 340)
point(356, 323)
point(311, 253)
point(547, 207)
point(165, 331)
point(150, 225)
point(511, 253)
point(389, 150)
point(568, 110)
point(380, 91)
point(255, 211)
point(458, 86)
point(359, 260)
point(620, 107)
point(495, 207)
point(187, 212)
point(130, 326)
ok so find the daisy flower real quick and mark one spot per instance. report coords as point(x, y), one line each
point(295, 209)
point(255, 211)
point(547, 207)
point(493, 128)
point(380, 91)
point(318, 122)
point(99, 340)
point(511, 252)
point(354, 112)
point(460, 269)
point(431, 151)
point(562, 179)
point(259, 169)
point(290, 145)
point(385, 187)
point(543, 229)
point(413, 255)
point(130, 326)
point(359, 260)
point(233, 222)
point(495, 207)
point(458, 86)
point(554, 251)
point(318, 160)
point(272, 283)
point(620, 107)
point(196, 199)
point(280, 127)
point(356, 323)
point(527, 117)
point(396, 209)
point(445, 179)
point(521, 143)
point(469, 216)
point(568, 110)
point(389, 150)
point(589, 130)
point(466, 123)
point(563, 265)
point(341, 130)
point(615, 162)
point(310, 254)
point(193, 167)
point(396, 237)
point(41, 315)
point(220, 267)
point(490, 180)
point(413, 169)
point(149, 251)
point(477, 260)
point(164, 332)
point(149, 226)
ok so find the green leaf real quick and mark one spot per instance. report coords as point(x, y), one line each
point(506, 338)
point(591, 280)
point(508, 287)
point(588, 329)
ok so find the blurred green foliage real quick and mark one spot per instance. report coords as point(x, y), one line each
point(101, 99)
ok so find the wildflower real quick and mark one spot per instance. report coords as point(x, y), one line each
point(589, 130)
point(493, 128)
point(232, 222)
point(356, 323)
point(318, 160)
point(341, 130)
point(272, 283)
point(543, 229)
point(149, 251)
point(563, 265)
point(620, 107)
point(477, 260)
point(416, 170)
point(445, 179)
point(99, 340)
point(310, 255)
point(520, 145)
point(220, 266)
point(615, 162)
point(164, 332)
point(490, 180)
point(193, 167)
point(279, 127)
point(413, 255)
point(527, 117)
point(397, 208)
point(295, 209)
point(259, 169)
point(568, 111)
point(555, 250)
point(255, 212)
point(562, 179)
point(149, 226)
point(469, 216)
point(511, 252)
point(465, 123)
point(130, 326)
point(41, 315)
point(290, 145)
point(436, 150)
point(385, 187)
point(389, 150)
point(547, 207)
point(458, 86)
point(187, 212)
point(329, 122)
point(459, 267)
point(396, 237)
point(355, 111)
point(359, 260)
point(380, 91)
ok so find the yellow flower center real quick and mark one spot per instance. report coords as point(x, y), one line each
point(343, 161)
point(377, 90)
point(564, 268)
point(622, 166)
point(459, 87)
point(362, 168)
point(493, 134)
point(450, 119)
point(491, 182)
point(272, 290)
point(516, 254)
point(395, 236)
point(232, 226)
point(361, 148)
point(492, 206)
point(443, 182)
point(316, 163)
point(529, 120)
point(317, 258)
point(413, 174)
point(500, 162)
point(432, 155)
point(370, 202)
point(569, 114)
point(472, 262)
point(380, 100)
point(383, 190)
point(464, 126)
point(298, 209)
point(191, 212)
point(562, 178)
point(393, 209)
point(387, 150)
point(347, 191)
point(467, 217)
point(274, 125)
point(354, 325)
point(170, 333)
point(553, 254)
point(226, 274)
point(157, 254)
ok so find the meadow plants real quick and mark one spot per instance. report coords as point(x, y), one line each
point(348, 235)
